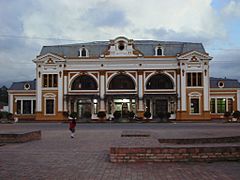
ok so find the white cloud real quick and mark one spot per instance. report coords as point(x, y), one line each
point(225, 64)
point(106, 19)
point(87, 20)
point(232, 9)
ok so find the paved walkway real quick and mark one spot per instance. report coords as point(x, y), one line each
point(57, 156)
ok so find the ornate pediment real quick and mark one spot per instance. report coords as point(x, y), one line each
point(194, 56)
point(49, 59)
point(122, 47)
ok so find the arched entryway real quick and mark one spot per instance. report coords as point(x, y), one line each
point(121, 82)
point(119, 102)
point(162, 102)
point(159, 81)
point(84, 82)
point(85, 107)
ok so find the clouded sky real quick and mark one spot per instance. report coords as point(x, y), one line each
point(27, 25)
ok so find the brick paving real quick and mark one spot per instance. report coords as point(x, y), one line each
point(57, 156)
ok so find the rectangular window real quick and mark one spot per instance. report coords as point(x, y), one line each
point(194, 106)
point(212, 104)
point(27, 106)
point(194, 79)
point(49, 106)
point(221, 105)
point(199, 79)
point(55, 80)
point(18, 107)
point(45, 80)
point(189, 79)
point(50, 80)
point(230, 105)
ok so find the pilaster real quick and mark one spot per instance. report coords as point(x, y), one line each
point(102, 91)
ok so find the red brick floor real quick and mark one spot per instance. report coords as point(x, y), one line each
point(57, 156)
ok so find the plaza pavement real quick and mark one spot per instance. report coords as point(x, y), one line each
point(57, 156)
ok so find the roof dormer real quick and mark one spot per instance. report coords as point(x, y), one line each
point(83, 52)
point(159, 51)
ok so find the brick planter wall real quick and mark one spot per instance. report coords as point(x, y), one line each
point(162, 154)
point(136, 147)
point(20, 137)
point(201, 140)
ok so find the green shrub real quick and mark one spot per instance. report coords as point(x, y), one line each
point(3, 114)
point(74, 115)
point(168, 115)
point(147, 114)
point(227, 114)
point(101, 114)
point(131, 115)
point(236, 114)
point(117, 114)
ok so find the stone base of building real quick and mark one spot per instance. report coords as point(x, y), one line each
point(185, 116)
point(59, 116)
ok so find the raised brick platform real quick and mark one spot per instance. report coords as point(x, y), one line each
point(20, 137)
point(133, 148)
point(201, 140)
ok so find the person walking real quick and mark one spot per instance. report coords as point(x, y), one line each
point(72, 126)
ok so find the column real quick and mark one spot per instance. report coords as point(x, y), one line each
point(65, 85)
point(183, 87)
point(140, 91)
point(238, 100)
point(216, 105)
point(102, 91)
point(31, 106)
point(75, 106)
point(10, 102)
point(69, 105)
point(226, 101)
point(206, 89)
point(21, 106)
point(60, 91)
point(39, 91)
point(178, 92)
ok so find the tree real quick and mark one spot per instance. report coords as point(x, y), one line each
point(236, 115)
point(147, 115)
point(4, 95)
point(227, 115)
point(101, 115)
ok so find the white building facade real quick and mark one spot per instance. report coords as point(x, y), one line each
point(122, 75)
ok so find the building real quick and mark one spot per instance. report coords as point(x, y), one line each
point(123, 75)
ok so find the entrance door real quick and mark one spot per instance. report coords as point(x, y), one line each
point(125, 110)
point(161, 105)
point(84, 109)
point(124, 106)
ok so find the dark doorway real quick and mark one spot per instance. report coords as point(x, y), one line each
point(161, 105)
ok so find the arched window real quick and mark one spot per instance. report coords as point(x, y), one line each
point(159, 81)
point(84, 82)
point(159, 51)
point(121, 81)
point(84, 52)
